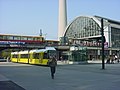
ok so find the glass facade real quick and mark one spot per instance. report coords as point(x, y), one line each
point(83, 27)
point(16, 37)
point(115, 34)
point(78, 54)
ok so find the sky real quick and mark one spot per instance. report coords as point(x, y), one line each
point(27, 17)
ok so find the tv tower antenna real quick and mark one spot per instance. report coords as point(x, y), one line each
point(40, 34)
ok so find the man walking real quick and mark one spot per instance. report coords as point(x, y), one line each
point(52, 65)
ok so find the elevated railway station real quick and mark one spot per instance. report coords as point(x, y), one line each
point(83, 31)
point(86, 31)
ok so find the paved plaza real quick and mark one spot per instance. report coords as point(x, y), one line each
point(14, 76)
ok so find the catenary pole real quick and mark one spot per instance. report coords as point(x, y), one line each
point(102, 34)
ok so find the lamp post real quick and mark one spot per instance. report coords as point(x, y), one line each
point(102, 34)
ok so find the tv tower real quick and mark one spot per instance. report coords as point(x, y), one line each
point(62, 21)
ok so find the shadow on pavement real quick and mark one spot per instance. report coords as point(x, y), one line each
point(9, 85)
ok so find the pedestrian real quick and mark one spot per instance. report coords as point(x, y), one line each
point(112, 59)
point(61, 58)
point(52, 64)
point(115, 57)
point(108, 60)
point(8, 59)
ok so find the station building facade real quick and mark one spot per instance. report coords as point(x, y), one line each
point(85, 31)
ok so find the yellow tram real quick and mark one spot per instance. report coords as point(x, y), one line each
point(14, 56)
point(38, 56)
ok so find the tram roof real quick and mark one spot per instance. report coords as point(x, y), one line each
point(23, 52)
point(50, 48)
point(36, 50)
point(14, 52)
point(42, 50)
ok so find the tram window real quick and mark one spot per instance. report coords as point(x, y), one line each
point(24, 55)
point(15, 56)
point(45, 56)
point(36, 55)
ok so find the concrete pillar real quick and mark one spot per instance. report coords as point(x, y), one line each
point(62, 20)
